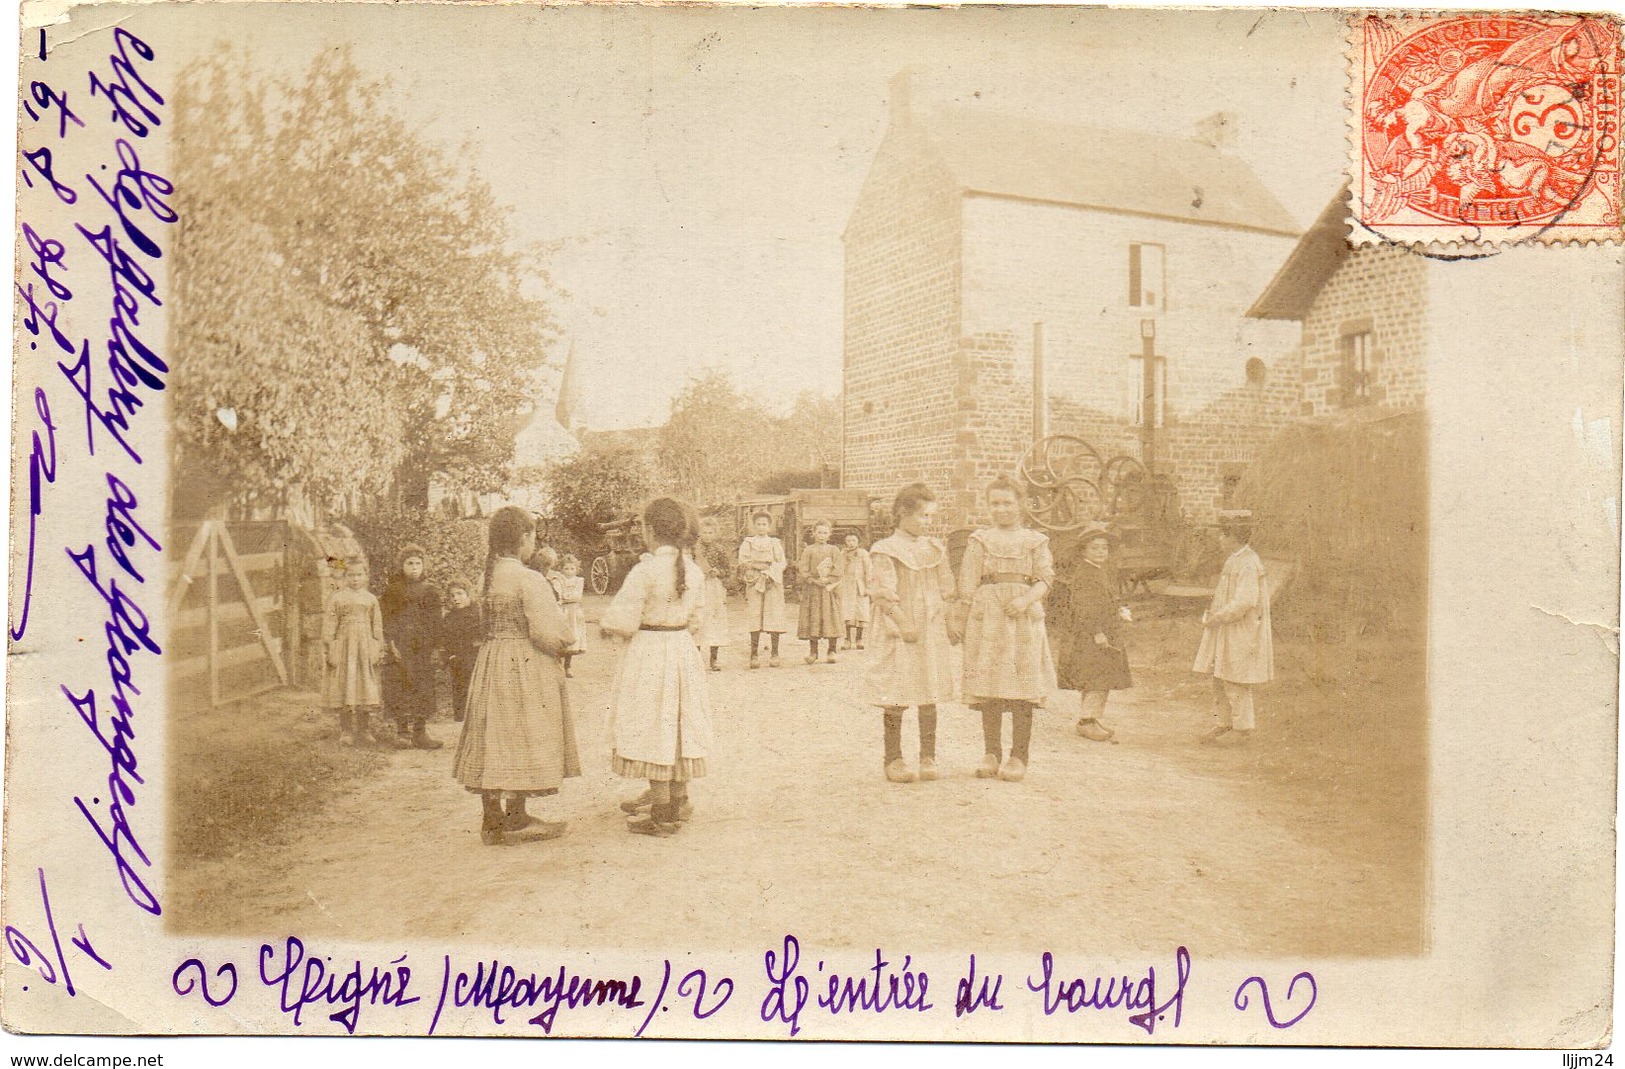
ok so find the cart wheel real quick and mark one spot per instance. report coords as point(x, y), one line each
point(1051, 461)
point(1126, 485)
point(598, 575)
point(1073, 504)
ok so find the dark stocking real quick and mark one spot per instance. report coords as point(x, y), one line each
point(993, 731)
point(490, 810)
point(894, 735)
point(755, 642)
point(928, 731)
point(1021, 729)
point(774, 635)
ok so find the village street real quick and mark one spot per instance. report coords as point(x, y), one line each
point(1132, 846)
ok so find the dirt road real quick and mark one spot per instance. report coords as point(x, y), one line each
point(1140, 844)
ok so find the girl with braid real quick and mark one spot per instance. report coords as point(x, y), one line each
point(519, 737)
point(660, 711)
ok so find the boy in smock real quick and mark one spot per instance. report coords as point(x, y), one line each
point(1238, 645)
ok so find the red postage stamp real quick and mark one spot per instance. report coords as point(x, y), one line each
point(1485, 129)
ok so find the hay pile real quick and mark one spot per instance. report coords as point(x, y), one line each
point(1346, 498)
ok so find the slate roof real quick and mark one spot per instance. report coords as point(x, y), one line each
point(1310, 265)
point(1147, 174)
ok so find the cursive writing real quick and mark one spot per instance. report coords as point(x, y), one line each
point(1114, 992)
point(348, 989)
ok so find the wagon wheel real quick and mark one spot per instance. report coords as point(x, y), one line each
point(1127, 485)
point(1075, 503)
point(598, 575)
point(1050, 461)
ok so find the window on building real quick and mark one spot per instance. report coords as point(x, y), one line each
point(1146, 276)
point(1229, 483)
point(1359, 366)
point(1137, 392)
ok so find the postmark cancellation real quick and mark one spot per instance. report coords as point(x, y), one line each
point(1485, 129)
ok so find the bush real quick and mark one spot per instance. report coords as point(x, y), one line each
point(1346, 499)
point(456, 547)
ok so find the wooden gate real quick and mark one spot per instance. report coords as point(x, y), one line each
point(230, 629)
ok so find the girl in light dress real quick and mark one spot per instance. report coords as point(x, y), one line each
point(570, 587)
point(854, 591)
point(660, 711)
point(761, 567)
point(353, 640)
point(1005, 573)
point(519, 739)
point(911, 585)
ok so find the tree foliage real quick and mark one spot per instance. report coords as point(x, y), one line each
point(595, 486)
point(721, 444)
point(345, 290)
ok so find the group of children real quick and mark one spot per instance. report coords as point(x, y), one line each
point(834, 591)
point(380, 649)
point(510, 657)
point(380, 652)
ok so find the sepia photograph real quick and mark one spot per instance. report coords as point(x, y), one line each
point(837, 490)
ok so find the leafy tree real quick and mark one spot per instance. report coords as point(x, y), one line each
point(594, 486)
point(362, 259)
point(714, 445)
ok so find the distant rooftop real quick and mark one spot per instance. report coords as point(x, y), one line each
point(1115, 170)
point(1308, 268)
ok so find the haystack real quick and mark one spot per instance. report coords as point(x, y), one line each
point(1346, 499)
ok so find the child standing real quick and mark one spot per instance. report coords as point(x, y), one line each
point(570, 588)
point(820, 569)
point(1005, 573)
point(519, 739)
point(353, 635)
point(411, 608)
point(1238, 645)
point(714, 560)
point(854, 591)
point(1089, 633)
point(660, 713)
point(761, 566)
point(460, 634)
point(911, 584)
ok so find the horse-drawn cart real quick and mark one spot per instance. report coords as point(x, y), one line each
point(622, 545)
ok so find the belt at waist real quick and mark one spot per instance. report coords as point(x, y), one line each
point(1006, 577)
point(664, 627)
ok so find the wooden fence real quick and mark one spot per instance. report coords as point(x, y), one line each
point(232, 631)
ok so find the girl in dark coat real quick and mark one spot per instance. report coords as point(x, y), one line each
point(1087, 629)
point(412, 629)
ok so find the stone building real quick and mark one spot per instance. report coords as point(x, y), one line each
point(984, 248)
point(1364, 315)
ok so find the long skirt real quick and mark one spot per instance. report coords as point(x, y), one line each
point(764, 609)
point(911, 673)
point(660, 709)
point(714, 624)
point(1006, 658)
point(519, 734)
point(820, 613)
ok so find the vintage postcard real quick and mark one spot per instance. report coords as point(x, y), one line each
point(990, 524)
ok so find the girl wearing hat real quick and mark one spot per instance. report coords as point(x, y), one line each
point(411, 607)
point(1088, 631)
point(1005, 573)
